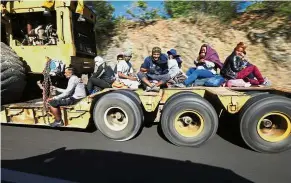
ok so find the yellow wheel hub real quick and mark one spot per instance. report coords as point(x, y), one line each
point(189, 123)
point(274, 127)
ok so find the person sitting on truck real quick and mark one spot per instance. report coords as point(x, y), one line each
point(236, 66)
point(155, 67)
point(206, 65)
point(74, 92)
point(172, 54)
point(124, 72)
point(103, 76)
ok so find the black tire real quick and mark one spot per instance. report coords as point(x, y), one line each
point(13, 75)
point(128, 106)
point(182, 103)
point(129, 93)
point(251, 114)
point(179, 94)
point(134, 96)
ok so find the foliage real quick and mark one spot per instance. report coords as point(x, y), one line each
point(105, 23)
point(141, 12)
point(280, 7)
point(226, 10)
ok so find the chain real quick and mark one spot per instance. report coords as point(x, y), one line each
point(47, 83)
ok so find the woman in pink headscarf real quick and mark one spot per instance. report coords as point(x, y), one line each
point(206, 65)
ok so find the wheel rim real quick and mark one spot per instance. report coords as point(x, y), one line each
point(274, 127)
point(115, 118)
point(189, 123)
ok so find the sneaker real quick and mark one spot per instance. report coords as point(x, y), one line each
point(81, 19)
point(57, 124)
point(180, 85)
point(155, 88)
point(267, 82)
point(148, 89)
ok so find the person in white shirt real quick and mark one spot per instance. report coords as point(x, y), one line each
point(124, 72)
point(69, 96)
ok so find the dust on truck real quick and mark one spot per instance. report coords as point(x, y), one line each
point(33, 30)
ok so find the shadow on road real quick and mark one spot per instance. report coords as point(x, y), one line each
point(104, 166)
point(229, 130)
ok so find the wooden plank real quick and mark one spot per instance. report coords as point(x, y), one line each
point(223, 91)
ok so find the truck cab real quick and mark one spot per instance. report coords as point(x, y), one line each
point(35, 32)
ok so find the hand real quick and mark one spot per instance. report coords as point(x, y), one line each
point(132, 78)
point(49, 99)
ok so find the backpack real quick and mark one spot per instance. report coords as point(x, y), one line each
point(215, 81)
point(56, 67)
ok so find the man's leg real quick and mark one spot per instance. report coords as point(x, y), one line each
point(56, 112)
point(162, 79)
point(100, 83)
point(144, 79)
point(55, 109)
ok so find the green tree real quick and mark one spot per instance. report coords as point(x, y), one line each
point(105, 23)
point(226, 10)
point(140, 11)
point(280, 7)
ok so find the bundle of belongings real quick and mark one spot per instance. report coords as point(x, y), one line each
point(41, 35)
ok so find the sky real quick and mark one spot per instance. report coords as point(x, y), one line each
point(121, 6)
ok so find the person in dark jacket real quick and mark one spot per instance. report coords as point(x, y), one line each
point(154, 67)
point(237, 67)
point(103, 76)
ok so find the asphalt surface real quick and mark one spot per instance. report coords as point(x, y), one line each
point(90, 157)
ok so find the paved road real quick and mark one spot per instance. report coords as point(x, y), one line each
point(32, 153)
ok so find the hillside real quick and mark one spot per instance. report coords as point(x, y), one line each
point(187, 35)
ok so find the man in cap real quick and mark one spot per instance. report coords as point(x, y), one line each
point(155, 67)
point(124, 72)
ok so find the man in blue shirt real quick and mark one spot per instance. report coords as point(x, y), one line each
point(155, 67)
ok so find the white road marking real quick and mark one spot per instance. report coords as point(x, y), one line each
point(21, 177)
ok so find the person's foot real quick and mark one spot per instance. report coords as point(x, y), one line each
point(81, 19)
point(148, 89)
point(266, 82)
point(180, 85)
point(156, 88)
point(57, 123)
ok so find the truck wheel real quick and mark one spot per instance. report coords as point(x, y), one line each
point(265, 124)
point(117, 116)
point(135, 97)
point(189, 121)
point(129, 93)
point(13, 75)
point(179, 94)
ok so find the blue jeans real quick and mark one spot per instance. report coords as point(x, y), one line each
point(194, 74)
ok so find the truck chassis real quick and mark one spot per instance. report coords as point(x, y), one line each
point(188, 116)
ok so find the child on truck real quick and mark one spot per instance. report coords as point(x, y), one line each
point(124, 72)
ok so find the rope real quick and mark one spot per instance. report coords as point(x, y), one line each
point(47, 83)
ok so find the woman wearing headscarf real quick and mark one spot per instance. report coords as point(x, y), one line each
point(236, 66)
point(103, 76)
point(206, 65)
